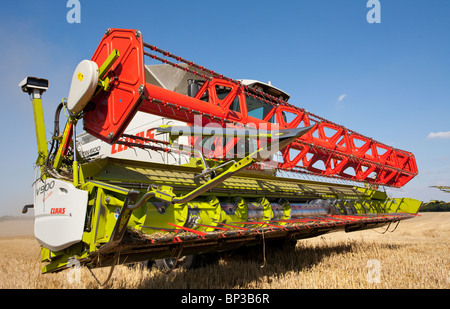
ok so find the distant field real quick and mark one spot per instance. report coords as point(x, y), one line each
point(16, 227)
point(416, 255)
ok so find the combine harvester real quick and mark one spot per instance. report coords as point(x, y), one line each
point(442, 188)
point(177, 160)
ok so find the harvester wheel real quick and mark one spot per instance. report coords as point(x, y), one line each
point(282, 244)
point(188, 262)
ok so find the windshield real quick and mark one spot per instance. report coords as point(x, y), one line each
point(257, 108)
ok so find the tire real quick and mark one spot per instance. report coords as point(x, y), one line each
point(187, 262)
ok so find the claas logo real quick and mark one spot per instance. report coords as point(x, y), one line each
point(57, 211)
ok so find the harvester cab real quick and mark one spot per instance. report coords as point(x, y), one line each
point(176, 159)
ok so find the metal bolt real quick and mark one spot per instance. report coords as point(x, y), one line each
point(141, 89)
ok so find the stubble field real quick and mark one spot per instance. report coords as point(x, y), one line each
point(415, 256)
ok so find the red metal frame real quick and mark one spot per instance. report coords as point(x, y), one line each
point(115, 109)
point(327, 150)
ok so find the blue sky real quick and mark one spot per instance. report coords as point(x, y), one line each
point(389, 81)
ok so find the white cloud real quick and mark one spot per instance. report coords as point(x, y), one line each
point(341, 97)
point(439, 135)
